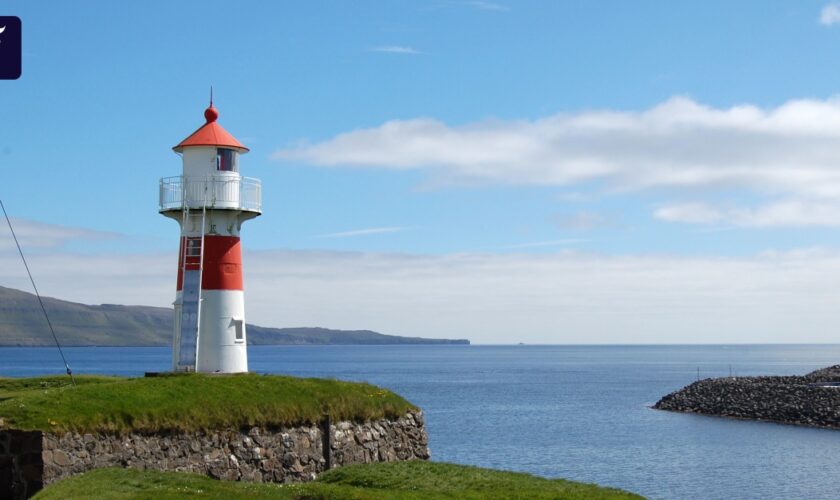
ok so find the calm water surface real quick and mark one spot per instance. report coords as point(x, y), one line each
point(579, 412)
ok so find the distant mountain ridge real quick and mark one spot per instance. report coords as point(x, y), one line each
point(22, 324)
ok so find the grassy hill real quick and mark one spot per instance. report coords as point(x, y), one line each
point(22, 324)
point(187, 402)
point(414, 480)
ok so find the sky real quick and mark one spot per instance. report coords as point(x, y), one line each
point(563, 172)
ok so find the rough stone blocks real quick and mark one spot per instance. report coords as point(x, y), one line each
point(31, 460)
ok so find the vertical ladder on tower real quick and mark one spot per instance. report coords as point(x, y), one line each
point(192, 265)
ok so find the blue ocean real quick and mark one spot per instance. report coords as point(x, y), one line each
point(577, 412)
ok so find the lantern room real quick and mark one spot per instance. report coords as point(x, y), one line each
point(210, 178)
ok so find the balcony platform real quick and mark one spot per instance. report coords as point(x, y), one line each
point(243, 194)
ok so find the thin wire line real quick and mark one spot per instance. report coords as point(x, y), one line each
point(60, 351)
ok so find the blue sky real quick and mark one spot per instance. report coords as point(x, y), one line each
point(659, 135)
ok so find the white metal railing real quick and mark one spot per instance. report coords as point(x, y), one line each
point(243, 193)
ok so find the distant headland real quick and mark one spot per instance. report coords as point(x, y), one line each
point(810, 400)
point(22, 324)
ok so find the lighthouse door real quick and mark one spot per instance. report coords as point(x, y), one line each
point(190, 304)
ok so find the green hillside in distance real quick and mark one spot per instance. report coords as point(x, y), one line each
point(22, 324)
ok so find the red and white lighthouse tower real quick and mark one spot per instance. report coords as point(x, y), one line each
point(210, 201)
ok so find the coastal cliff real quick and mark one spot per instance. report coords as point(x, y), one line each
point(22, 324)
point(811, 399)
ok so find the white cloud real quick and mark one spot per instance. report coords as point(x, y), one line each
point(548, 243)
point(94, 279)
point(549, 298)
point(479, 4)
point(792, 149)
point(788, 155)
point(396, 49)
point(581, 221)
point(790, 213)
point(363, 232)
point(574, 197)
point(830, 15)
point(692, 213)
point(781, 213)
point(34, 235)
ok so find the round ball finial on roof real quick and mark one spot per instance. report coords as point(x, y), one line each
point(211, 114)
point(211, 134)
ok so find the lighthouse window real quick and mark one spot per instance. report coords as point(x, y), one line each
point(239, 333)
point(226, 160)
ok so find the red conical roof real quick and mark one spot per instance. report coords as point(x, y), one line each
point(211, 134)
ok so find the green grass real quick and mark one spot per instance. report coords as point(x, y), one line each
point(10, 386)
point(396, 480)
point(187, 402)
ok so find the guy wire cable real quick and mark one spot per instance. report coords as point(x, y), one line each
point(44, 309)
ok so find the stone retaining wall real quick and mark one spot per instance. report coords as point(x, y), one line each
point(30, 460)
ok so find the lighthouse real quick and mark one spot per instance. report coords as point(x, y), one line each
point(210, 200)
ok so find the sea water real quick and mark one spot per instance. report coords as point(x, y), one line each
point(577, 412)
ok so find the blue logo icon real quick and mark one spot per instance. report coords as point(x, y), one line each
point(10, 48)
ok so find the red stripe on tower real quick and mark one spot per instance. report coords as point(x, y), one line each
point(222, 262)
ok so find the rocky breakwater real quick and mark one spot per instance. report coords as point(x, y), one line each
point(809, 399)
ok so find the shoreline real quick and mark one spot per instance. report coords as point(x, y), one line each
point(71, 346)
